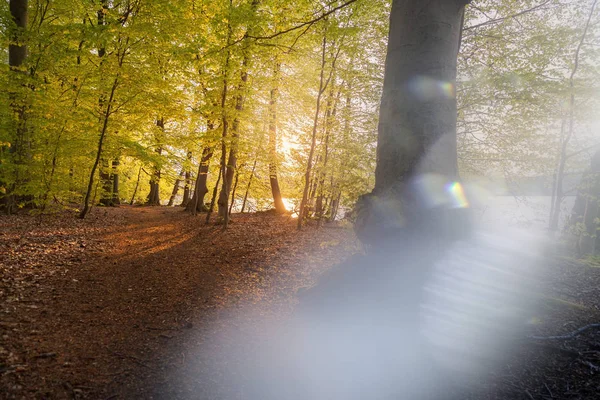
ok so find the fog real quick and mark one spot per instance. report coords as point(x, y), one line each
point(409, 320)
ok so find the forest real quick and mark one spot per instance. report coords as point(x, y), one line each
point(177, 179)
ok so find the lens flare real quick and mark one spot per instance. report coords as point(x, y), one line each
point(437, 191)
point(457, 195)
point(426, 88)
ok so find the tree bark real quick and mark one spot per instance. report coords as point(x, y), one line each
point(233, 148)
point(225, 127)
point(235, 183)
point(175, 189)
point(105, 118)
point(109, 182)
point(417, 125)
point(196, 204)
point(137, 184)
point(17, 54)
point(214, 195)
point(154, 195)
point(116, 200)
point(186, 188)
point(106, 106)
point(105, 183)
point(335, 203)
point(309, 163)
point(235, 128)
point(275, 190)
point(329, 118)
point(17, 50)
point(566, 138)
point(584, 217)
point(248, 187)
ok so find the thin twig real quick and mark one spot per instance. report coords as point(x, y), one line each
point(307, 24)
point(567, 336)
point(132, 358)
point(589, 364)
point(497, 20)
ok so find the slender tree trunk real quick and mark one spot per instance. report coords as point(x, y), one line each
point(17, 54)
point(214, 194)
point(137, 185)
point(335, 203)
point(106, 106)
point(106, 183)
point(197, 203)
point(109, 177)
point(17, 50)
point(584, 217)
point(154, 195)
point(554, 221)
point(116, 200)
point(323, 82)
point(225, 127)
point(417, 133)
point(186, 188)
point(106, 117)
point(235, 183)
point(153, 198)
point(248, 187)
point(232, 162)
point(175, 188)
point(329, 118)
point(235, 130)
point(275, 190)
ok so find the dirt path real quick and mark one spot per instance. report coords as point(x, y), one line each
point(105, 308)
point(138, 303)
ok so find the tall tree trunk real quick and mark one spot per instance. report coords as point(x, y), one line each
point(335, 203)
point(175, 188)
point(275, 190)
point(109, 178)
point(329, 118)
point(565, 139)
point(17, 53)
point(196, 204)
point(248, 187)
point(235, 128)
point(106, 105)
point(105, 183)
point(225, 127)
point(323, 83)
point(116, 200)
point(417, 132)
point(154, 195)
point(235, 183)
point(186, 188)
point(233, 148)
point(137, 185)
point(17, 50)
point(104, 129)
point(584, 217)
point(215, 191)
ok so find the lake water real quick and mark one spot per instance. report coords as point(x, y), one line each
point(530, 212)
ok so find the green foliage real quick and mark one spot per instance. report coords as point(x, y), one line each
point(132, 63)
point(172, 61)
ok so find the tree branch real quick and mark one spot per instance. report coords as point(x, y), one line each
point(497, 20)
point(307, 24)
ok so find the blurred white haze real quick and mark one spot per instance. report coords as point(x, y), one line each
point(407, 321)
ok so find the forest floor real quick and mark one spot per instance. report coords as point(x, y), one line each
point(109, 307)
